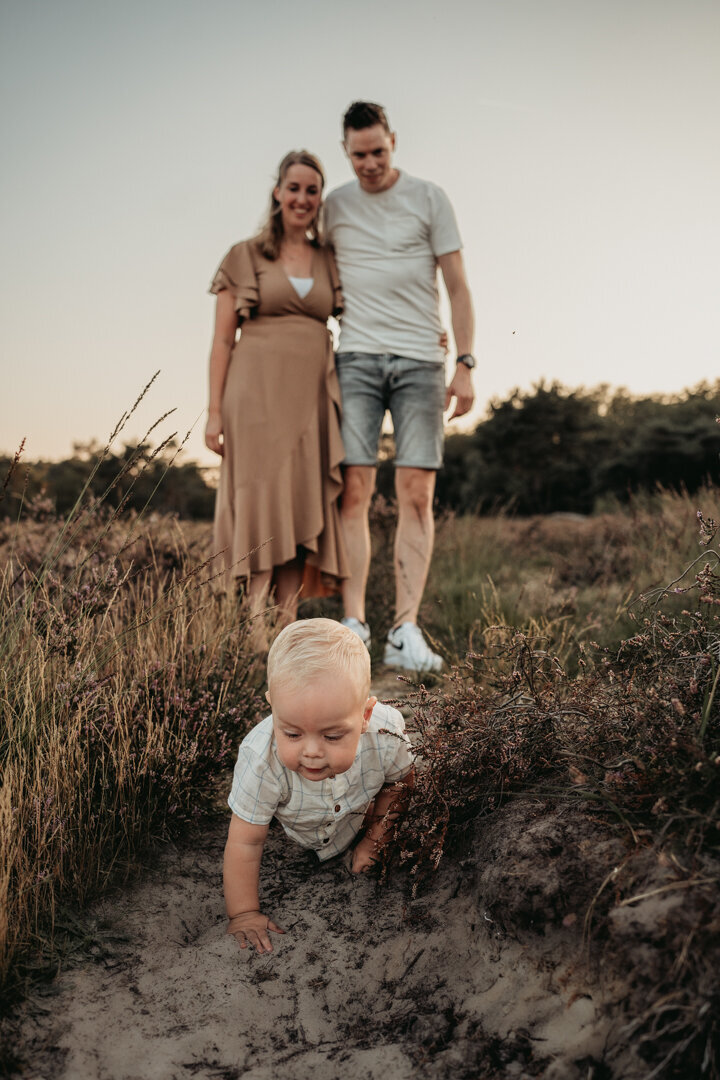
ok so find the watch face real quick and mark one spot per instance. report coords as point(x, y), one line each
point(467, 359)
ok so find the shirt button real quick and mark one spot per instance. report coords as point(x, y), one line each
point(337, 808)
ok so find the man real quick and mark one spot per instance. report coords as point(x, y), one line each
point(391, 232)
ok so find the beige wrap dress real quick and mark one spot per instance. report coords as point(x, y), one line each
point(280, 477)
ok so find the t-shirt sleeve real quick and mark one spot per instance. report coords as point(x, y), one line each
point(444, 233)
point(396, 750)
point(255, 792)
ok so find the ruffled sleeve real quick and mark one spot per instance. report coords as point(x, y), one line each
point(237, 274)
point(335, 282)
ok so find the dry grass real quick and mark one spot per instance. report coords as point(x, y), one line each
point(125, 686)
point(568, 579)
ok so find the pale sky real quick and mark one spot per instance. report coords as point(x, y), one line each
point(577, 140)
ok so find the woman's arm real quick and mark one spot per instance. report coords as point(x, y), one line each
point(222, 346)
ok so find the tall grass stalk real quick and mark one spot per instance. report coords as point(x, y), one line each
point(125, 686)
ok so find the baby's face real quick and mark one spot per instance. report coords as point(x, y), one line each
point(318, 726)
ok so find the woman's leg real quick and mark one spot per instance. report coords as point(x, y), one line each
point(288, 579)
point(258, 589)
point(258, 594)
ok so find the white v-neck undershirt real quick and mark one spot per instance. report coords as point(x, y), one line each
point(301, 285)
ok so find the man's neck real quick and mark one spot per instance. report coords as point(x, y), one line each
point(394, 177)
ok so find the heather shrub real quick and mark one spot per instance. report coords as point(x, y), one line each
point(633, 735)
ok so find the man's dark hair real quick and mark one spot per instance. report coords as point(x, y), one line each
point(364, 114)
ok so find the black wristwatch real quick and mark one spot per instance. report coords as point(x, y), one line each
point(467, 359)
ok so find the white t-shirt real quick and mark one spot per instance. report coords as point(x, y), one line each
point(386, 245)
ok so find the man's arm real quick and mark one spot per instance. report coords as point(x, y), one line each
point(463, 321)
point(241, 875)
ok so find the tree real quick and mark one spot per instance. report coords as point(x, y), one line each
point(537, 451)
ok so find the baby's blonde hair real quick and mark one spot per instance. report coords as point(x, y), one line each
point(312, 647)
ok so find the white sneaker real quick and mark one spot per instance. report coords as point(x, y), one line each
point(406, 648)
point(360, 628)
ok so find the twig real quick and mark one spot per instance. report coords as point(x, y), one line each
point(667, 888)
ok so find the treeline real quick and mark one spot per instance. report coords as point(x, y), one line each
point(138, 477)
point(556, 449)
point(539, 451)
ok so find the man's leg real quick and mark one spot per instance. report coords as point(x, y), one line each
point(416, 404)
point(362, 387)
point(357, 493)
point(413, 539)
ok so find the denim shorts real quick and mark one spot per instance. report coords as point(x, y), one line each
point(413, 391)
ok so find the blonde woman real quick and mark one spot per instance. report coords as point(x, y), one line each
point(274, 409)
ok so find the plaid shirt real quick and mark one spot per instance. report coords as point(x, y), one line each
point(325, 815)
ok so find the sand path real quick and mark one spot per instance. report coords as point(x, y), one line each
point(361, 986)
point(354, 988)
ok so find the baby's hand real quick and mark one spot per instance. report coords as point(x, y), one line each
point(251, 928)
point(364, 856)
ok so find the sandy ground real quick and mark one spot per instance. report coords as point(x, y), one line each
point(484, 976)
point(360, 986)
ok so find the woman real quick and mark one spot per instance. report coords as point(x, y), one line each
point(274, 400)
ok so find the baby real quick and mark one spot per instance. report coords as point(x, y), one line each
point(329, 763)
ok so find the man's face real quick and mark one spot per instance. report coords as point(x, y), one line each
point(318, 726)
point(370, 151)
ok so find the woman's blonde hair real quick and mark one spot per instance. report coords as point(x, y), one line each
point(271, 234)
point(312, 647)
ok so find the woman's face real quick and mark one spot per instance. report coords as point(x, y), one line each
point(299, 194)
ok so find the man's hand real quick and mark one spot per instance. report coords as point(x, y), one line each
point(364, 855)
point(252, 928)
point(461, 388)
